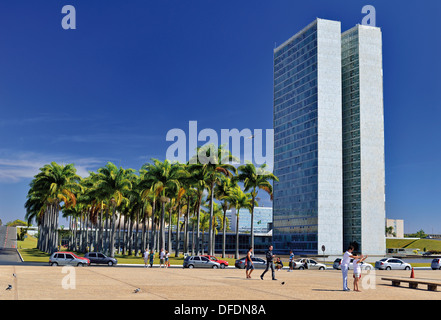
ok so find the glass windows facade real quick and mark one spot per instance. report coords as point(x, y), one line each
point(351, 140)
point(295, 205)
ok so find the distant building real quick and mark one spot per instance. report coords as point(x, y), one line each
point(398, 227)
point(263, 217)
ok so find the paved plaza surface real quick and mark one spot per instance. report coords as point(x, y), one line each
point(107, 283)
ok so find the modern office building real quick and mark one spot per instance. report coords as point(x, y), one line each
point(308, 199)
point(328, 140)
point(363, 140)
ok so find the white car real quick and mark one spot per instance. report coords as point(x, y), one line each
point(392, 263)
point(436, 264)
point(308, 264)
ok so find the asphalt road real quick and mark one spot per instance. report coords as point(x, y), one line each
point(8, 240)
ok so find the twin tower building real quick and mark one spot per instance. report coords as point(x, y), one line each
point(329, 141)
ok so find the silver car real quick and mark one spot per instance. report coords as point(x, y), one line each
point(67, 259)
point(308, 264)
point(436, 264)
point(392, 263)
point(200, 262)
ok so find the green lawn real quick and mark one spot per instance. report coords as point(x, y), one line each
point(428, 244)
point(30, 253)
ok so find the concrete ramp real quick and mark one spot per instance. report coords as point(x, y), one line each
point(8, 244)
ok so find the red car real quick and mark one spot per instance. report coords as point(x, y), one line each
point(222, 263)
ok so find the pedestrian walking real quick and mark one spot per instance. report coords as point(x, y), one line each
point(291, 261)
point(145, 255)
point(167, 259)
point(345, 266)
point(152, 257)
point(249, 263)
point(161, 258)
point(269, 263)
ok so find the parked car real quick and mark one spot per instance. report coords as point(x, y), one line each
point(200, 262)
point(305, 263)
point(258, 263)
point(436, 264)
point(67, 259)
point(222, 263)
point(363, 265)
point(100, 258)
point(392, 263)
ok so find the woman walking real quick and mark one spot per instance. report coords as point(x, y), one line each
point(249, 263)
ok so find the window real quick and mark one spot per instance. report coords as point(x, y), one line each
point(92, 255)
point(100, 255)
point(204, 259)
point(69, 256)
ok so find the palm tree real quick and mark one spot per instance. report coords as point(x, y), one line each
point(197, 182)
point(221, 190)
point(239, 200)
point(255, 179)
point(114, 183)
point(215, 164)
point(55, 185)
point(163, 176)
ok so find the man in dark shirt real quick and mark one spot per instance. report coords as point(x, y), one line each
point(269, 263)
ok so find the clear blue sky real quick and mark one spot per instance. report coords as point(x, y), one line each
point(132, 70)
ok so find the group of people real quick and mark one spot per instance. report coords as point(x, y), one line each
point(356, 263)
point(164, 258)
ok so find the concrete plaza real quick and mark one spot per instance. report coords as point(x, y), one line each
point(107, 283)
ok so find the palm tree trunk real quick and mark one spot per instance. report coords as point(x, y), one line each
point(198, 236)
point(252, 220)
point(119, 233)
point(136, 234)
point(112, 233)
point(169, 240)
point(177, 232)
point(210, 227)
point(161, 227)
point(224, 234)
point(237, 235)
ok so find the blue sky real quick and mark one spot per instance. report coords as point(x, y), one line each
point(132, 70)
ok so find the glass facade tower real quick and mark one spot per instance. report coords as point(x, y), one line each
point(307, 142)
point(329, 141)
point(363, 140)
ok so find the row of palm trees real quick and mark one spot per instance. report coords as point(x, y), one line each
point(102, 206)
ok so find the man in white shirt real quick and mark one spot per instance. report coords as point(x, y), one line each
point(345, 266)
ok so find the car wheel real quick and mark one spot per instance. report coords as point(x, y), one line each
point(110, 263)
point(215, 267)
point(190, 266)
point(222, 266)
point(388, 268)
point(439, 268)
point(80, 264)
point(322, 268)
point(407, 268)
point(54, 264)
point(301, 268)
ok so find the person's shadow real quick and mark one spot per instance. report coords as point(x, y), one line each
point(327, 290)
